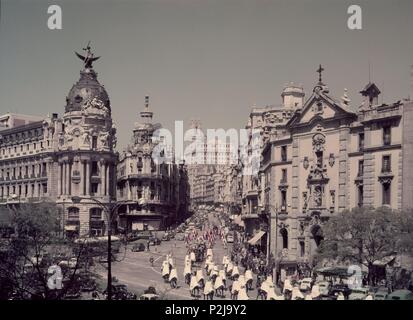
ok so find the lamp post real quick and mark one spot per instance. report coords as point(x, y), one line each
point(109, 209)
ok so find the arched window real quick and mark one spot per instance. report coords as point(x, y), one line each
point(284, 235)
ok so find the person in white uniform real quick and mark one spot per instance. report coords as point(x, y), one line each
point(194, 286)
point(315, 292)
point(208, 290)
point(200, 278)
point(248, 279)
point(187, 271)
point(165, 270)
point(235, 272)
point(296, 294)
point(242, 291)
point(219, 286)
point(173, 278)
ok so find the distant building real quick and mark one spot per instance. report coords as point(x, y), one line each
point(11, 120)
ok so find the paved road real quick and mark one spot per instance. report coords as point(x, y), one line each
point(137, 273)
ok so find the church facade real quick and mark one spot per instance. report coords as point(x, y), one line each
point(325, 158)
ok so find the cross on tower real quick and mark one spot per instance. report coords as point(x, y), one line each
point(320, 70)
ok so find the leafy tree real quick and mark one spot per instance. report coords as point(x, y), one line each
point(33, 247)
point(365, 235)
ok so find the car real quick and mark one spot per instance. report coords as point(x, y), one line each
point(358, 293)
point(154, 241)
point(180, 236)
point(137, 247)
point(149, 296)
point(324, 288)
point(166, 237)
point(305, 284)
point(400, 295)
point(70, 263)
point(381, 293)
point(337, 288)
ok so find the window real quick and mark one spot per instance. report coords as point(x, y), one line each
point(284, 176)
point(361, 141)
point(361, 168)
point(386, 164)
point(302, 248)
point(386, 135)
point(283, 200)
point(94, 188)
point(95, 214)
point(386, 193)
point(73, 213)
point(95, 170)
point(94, 142)
point(284, 236)
point(360, 191)
point(283, 153)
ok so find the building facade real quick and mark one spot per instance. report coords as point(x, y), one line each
point(155, 195)
point(64, 157)
point(329, 157)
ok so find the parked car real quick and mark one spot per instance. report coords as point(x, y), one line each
point(343, 288)
point(305, 284)
point(69, 263)
point(154, 241)
point(324, 288)
point(400, 295)
point(139, 246)
point(166, 237)
point(381, 293)
point(358, 293)
point(149, 296)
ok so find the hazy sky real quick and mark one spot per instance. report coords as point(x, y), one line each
point(206, 59)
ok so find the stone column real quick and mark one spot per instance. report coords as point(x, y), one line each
point(82, 177)
point(59, 183)
point(100, 185)
point(107, 183)
point(87, 178)
point(103, 174)
point(68, 178)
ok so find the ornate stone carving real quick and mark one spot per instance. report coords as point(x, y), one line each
point(95, 106)
point(318, 142)
point(306, 163)
point(331, 159)
point(318, 196)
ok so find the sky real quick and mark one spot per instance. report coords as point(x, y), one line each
point(200, 59)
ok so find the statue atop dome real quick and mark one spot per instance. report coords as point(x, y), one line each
point(89, 58)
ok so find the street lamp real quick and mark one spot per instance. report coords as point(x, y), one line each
point(109, 209)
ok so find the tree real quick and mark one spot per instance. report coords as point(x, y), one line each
point(366, 235)
point(28, 254)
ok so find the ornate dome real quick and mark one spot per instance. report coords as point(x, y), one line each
point(86, 89)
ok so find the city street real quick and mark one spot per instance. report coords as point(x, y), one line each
point(136, 272)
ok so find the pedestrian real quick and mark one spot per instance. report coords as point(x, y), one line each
point(147, 245)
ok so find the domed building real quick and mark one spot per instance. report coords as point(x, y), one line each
point(68, 160)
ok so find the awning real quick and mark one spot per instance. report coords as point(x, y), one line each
point(256, 238)
point(383, 262)
point(71, 228)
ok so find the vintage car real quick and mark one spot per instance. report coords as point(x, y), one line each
point(400, 295)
